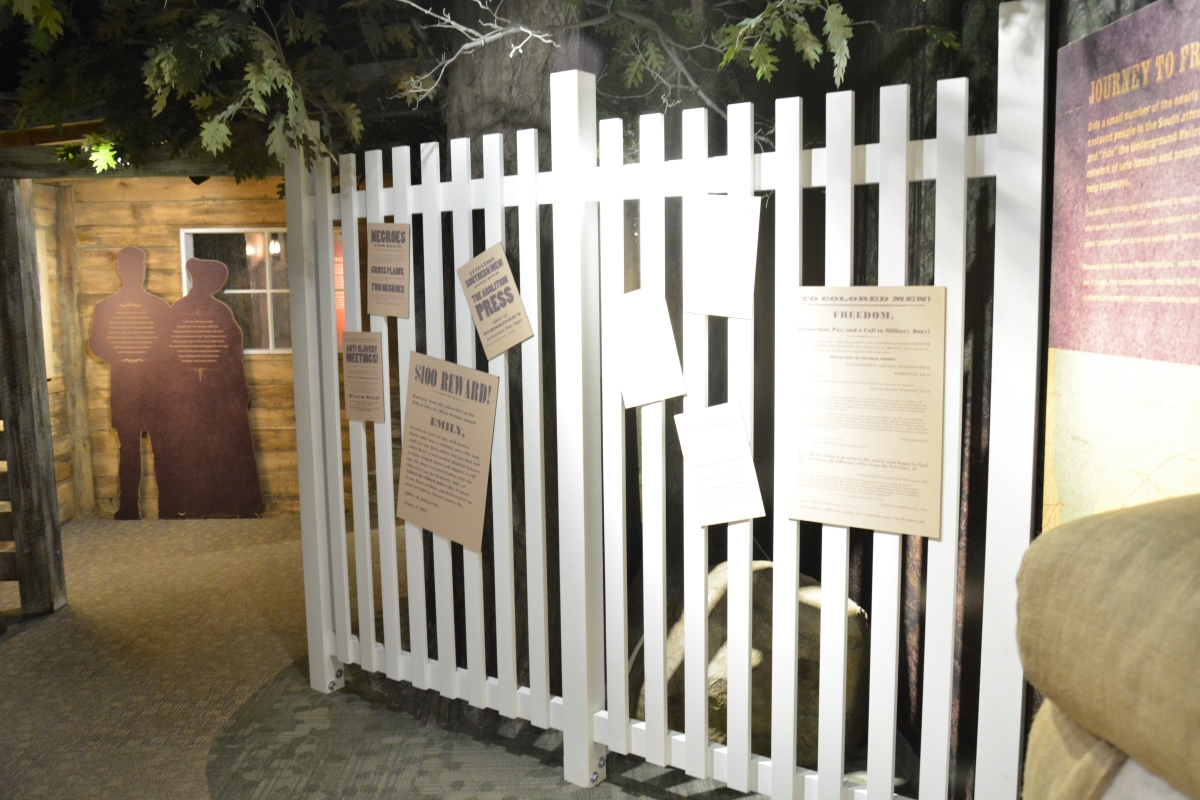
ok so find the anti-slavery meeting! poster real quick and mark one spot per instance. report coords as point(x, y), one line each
point(1124, 363)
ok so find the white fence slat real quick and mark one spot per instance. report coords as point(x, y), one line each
point(435, 342)
point(885, 590)
point(529, 232)
point(306, 364)
point(360, 489)
point(385, 499)
point(1012, 456)
point(695, 536)
point(949, 270)
point(502, 499)
point(577, 376)
point(406, 344)
point(740, 171)
point(653, 260)
point(331, 417)
point(458, 200)
point(612, 410)
point(789, 115)
point(835, 549)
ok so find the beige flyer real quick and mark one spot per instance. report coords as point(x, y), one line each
point(648, 361)
point(362, 375)
point(721, 284)
point(387, 269)
point(869, 376)
point(719, 473)
point(487, 281)
point(449, 415)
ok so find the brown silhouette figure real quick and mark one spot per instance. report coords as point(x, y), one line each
point(204, 461)
point(129, 331)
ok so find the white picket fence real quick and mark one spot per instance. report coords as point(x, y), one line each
point(589, 258)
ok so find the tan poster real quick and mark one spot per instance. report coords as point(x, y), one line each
point(870, 372)
point(449, 415)
point(362, 374)
point(487, 281)
point(719, 465)
point(387, 269)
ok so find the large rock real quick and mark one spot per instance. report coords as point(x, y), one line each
point(808, 669)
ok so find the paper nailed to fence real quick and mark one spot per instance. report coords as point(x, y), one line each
point(867, 409)
point(387, 269)
point(649, 361)
point(449, 416)
point(362, 374)
point(719, 465)
point(487, 281)
point(721, 284)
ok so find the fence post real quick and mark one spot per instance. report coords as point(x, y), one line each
point(323, 666)
point(577, 360)
point(1020, 126)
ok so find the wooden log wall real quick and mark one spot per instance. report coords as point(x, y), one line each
point(110, 213)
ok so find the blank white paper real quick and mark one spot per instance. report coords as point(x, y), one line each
point(721, 284)
point(719, 475)
point(650, 370)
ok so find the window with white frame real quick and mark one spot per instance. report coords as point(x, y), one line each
point(257, 290)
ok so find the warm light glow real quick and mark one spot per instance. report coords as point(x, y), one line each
point(250, 250)
point(274, 247)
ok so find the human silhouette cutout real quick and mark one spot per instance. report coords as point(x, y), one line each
point(207, 466)
point(129, 331)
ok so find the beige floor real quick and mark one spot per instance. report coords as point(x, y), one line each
point(177, 671)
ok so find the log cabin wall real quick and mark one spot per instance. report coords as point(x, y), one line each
point(107, 214)
point(45, 210)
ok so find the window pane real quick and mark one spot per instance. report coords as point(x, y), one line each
point(250, 311)
point(256, 260)
point(283, 320)
point(277, 250)
point(230, 250)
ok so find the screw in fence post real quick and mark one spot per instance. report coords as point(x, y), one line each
point(595, 777)
point(600, 763)
point(338, 674)
point(332, 685)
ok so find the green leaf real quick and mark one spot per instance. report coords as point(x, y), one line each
point(838, 33)
point(215, 135)
point(352, 118)
point(201, 102)
point(633, 72)
point(101, 152)
point(807, 44)
point(277, 139)
point(764, 61)
point(683, 19)
point(656, 59)
point(943, 37)
point(401, 34)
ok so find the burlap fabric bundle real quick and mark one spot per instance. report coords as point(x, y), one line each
point(1109, 630)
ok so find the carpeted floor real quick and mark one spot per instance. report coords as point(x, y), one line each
point(177, 671)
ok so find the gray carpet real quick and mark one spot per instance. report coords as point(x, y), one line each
point(177, 671)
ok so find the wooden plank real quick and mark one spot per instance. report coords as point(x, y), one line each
point(96, 237)
point(24, 406)
point(1013, 433)
point(835, 546)
point(152, 189)
point(364, 571)
point(537, 591)
point(949, 270)
point(612, 410)
point(502, 464)
point(695, 536)
point(195, 214)
point(785, 622)
point(885, 591)
point(741, 774)
point(45, 195)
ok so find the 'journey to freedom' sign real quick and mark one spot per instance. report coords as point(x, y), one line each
point(499, 315)
point(449, 416)
point(387, 269)
point(868, 410)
